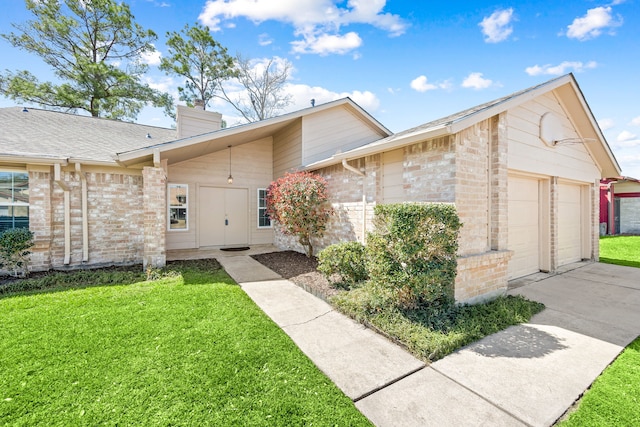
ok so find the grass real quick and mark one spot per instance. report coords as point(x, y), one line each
point(620, 250)
point(614, 398)
point(431, 334)
point(187, 349)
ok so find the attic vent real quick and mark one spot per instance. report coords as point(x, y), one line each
point(148, 136)
point(24, 110)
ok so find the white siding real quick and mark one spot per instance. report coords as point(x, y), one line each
point(392, 181)
point(528, 153)
point(334, 130)
point(287, 149)
point(251, 167)
point(191, 121)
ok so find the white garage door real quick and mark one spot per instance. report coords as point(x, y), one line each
point(523, 227)
point(569, 224)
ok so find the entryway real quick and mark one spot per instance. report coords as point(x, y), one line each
point(222, 214)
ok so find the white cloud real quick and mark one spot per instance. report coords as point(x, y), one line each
point(303, 94)
point(562, 68)
point(476, 81)
point(635, 121)
point(593, 24)
point(326, 44)
point(497, 27)
point(151, 58)
point(316, 22)
point(264, 39)
point(420, 84)
point(606, 124)
point(626, 136)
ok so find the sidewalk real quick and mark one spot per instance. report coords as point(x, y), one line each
point(525, 375)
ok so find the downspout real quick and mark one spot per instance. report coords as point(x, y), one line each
point(350, 168)
point(85, 213)
point(67, 212)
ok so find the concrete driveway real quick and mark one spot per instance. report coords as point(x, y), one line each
point(527, 374)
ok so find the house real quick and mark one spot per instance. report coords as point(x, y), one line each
point(620, 205)
point(523, 172)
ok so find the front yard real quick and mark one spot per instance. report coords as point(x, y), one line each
point(186, 349)
point(620, 250)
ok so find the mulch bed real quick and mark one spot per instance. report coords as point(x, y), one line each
point(299, 269)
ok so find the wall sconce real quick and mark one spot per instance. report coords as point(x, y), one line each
point(230, 178)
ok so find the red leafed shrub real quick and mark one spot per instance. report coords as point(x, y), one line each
point(298, 202)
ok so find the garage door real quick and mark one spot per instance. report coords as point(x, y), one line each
point(569, 224)
point(524, 229)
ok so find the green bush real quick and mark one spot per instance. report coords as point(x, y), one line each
point(346, 260)
point(412, 250)
point(15, 248)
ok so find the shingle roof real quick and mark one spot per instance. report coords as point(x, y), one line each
point(44, 133)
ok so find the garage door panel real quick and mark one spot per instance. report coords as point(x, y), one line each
point(569, 224)
point(524, 227)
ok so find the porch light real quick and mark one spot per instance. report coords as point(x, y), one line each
point(230, 178)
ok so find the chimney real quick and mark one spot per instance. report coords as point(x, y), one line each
point(196, 121)
point(198, 104)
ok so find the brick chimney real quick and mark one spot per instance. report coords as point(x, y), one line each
point(196, 121)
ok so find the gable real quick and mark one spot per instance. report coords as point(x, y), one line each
point(568, 157)
point(335, 130)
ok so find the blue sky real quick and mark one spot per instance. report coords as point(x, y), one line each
point(409, 62)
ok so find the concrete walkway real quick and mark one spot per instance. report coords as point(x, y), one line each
point(525, 375)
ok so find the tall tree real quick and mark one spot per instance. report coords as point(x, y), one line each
point(195, 56)
point(263, 88)
point(94, 48)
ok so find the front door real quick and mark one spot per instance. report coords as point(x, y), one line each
point(222, 216)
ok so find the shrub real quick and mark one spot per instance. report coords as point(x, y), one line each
point(412, 250)
point(298, 202)
point(347, 260)
point(15, 248)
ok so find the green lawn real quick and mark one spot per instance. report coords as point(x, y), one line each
point(614, 398)
point(192, 349)
point(621, 250)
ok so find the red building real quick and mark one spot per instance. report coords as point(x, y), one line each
point(620, 205)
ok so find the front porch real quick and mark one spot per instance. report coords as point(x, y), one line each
point(211, 252)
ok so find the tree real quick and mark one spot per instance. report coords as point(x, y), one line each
point(298, 202)
point(94, 48)
point(202, 61)
point(263, 88)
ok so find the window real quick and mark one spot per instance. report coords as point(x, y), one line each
point(178, 206)
point(263, 217)
point(14, 200)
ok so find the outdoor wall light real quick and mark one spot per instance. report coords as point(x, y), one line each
point(230, 178)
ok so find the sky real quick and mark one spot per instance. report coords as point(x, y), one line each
point(408, 62)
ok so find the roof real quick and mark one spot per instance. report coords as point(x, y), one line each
point(566, 85)
point(51, 136)
point(194, 146)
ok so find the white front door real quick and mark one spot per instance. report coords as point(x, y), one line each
point(222, 216)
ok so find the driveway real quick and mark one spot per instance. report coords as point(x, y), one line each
point(527, 374)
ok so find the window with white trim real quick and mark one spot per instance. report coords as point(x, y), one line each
point(178, 201)
point(263, 217)
point(14, 200)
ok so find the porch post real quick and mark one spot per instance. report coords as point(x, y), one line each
point(155, 216)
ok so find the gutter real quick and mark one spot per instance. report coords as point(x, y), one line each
point(57, 177)
point(350, 168)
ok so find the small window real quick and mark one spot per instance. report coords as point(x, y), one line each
point(263, 217)
point(14, 200)
point(178, 206)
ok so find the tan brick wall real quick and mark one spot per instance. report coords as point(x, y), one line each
point(472, 188)
point(482, 276)
point(154, 216)
point(499, 202)
point(430, 171)
point(114, 215)
point(40, 219)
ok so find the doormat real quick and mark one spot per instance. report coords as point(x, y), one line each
point(242, 248)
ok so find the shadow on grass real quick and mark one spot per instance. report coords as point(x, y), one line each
point(623, 262)
point(193, 272)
